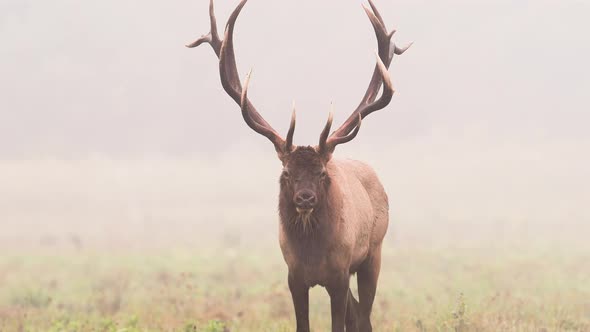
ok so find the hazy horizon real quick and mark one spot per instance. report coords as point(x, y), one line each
point(105, 115)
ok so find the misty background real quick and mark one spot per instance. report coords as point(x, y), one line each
point(111, 131)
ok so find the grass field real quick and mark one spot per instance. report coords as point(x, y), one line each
point(244, 289)
point(152, 246)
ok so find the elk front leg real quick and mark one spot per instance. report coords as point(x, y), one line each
point(300, 295)
point(338, 291)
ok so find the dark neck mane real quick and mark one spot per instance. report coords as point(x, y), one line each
point(299, 225)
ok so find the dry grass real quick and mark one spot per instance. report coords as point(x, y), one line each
point(244, 289)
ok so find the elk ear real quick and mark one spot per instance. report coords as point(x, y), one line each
point(326, 158)
point(283, 157)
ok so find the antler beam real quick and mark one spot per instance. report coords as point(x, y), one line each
point(386, 51)
point(230, 80)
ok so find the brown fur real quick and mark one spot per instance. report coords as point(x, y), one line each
point(343, 236)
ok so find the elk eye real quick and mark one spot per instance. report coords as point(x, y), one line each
point(285, 174)
point(323, 174)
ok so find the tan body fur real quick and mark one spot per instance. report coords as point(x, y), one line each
point(343, 236)
point(355, 229)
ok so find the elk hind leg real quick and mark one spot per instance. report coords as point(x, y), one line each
point(352, 313)
point(367, 284)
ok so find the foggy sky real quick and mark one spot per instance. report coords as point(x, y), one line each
point(113, 77)
point(108, 124)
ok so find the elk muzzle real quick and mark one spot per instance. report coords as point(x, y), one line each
point(305, 200)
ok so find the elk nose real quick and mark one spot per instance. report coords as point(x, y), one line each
point(305, 199)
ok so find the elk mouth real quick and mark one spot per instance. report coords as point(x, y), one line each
point(304, 211)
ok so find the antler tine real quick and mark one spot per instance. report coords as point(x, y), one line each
point(400, 50)
point(332, 142)
point(394, 48)
point(376, 12)
point(326, 132)
point(289, 141)
point(212, 37)
point(247, 115)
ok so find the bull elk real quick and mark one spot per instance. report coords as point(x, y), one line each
point(333, 213)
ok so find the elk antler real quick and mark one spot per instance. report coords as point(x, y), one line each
point(368, 105)
point(230, 80)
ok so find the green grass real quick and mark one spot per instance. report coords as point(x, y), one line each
point(245, 289)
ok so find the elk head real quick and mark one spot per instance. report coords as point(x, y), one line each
point(305, 178)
